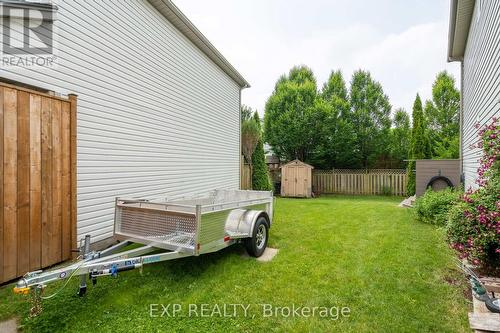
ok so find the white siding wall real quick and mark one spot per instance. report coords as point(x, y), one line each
point(481, 80)
point(156, 117)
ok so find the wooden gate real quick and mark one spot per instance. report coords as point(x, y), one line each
point(38, 178)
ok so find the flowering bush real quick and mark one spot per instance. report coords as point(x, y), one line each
point(474, 223)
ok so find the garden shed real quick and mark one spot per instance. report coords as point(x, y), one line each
point(296, 179)
point(436, 174)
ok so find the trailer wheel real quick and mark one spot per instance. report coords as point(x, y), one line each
point(256, 245)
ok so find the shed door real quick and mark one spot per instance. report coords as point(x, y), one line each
point(287, 181)
point(301, 181)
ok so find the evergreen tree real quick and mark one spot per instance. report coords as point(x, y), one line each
point(443, 117)
point(400, 136)
point(419, 144)
point(260, 172)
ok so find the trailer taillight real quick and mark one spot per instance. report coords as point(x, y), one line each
point(227, 238)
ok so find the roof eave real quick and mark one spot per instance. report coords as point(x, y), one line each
point(460, 18)
point(168, 9)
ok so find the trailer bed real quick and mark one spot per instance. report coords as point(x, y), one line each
point(188, 224)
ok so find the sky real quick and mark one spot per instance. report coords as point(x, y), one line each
point(402, 43)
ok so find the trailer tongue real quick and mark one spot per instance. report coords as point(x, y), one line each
point(167, 230)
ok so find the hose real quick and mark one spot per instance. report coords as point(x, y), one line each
point(65, 283)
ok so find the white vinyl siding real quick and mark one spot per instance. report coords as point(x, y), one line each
point(156, 117)
point(481, 81)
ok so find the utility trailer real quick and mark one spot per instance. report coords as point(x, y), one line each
point(167, 230)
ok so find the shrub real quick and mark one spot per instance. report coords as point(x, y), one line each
point(386, 190)
point(433, 207)
point(473, 228)
point(260, 173)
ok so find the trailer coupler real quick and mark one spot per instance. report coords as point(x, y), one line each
point(21, 289)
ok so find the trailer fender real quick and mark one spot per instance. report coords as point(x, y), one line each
point(240, 222)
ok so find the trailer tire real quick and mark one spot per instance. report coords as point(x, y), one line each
point(256, 245)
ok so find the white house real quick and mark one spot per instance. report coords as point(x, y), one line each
point(158, 105)
point(474, 40)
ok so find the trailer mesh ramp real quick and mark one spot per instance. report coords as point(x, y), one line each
point(172, 229)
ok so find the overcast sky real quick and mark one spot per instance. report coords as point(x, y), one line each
point(402, 43)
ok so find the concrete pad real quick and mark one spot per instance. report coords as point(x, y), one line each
point(408, 202)
point(8, 326)
point(268, 255)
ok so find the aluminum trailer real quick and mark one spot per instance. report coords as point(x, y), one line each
point(168, 229)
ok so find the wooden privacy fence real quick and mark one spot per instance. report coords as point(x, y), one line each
point(245, 175)
point(377, 181)
point(38, 178)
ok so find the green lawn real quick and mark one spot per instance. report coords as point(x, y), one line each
point(364, 253)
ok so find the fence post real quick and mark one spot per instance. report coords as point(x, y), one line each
point(73, 148)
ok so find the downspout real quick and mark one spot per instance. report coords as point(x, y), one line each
point(461, 122)
point(239, 141)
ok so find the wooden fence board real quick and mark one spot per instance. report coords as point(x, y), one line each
point(56, 236)
point(10, 184)
point(23, 182)
point(66, 180)
point(35, 183)
point(46, 181)
point(1, 183)
point(360, 181)
point(72, 117)
point(245, 175)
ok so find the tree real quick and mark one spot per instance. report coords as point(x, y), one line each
point(337, 147)
point(419, 144)
point(260, 173)
point(250, 135)
point(301, 74)
point(400, 136)
point(442, 116)
point(289, 119)
point(370, 113)
point(335, 89)
point(245, 112)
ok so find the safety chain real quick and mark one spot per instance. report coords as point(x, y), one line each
point(36, 301)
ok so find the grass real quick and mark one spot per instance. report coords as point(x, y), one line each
point(364, 253)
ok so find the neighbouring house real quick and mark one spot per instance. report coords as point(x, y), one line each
point(157, 115)
point(474, 39)
point(273, 166)
point(273, 162)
